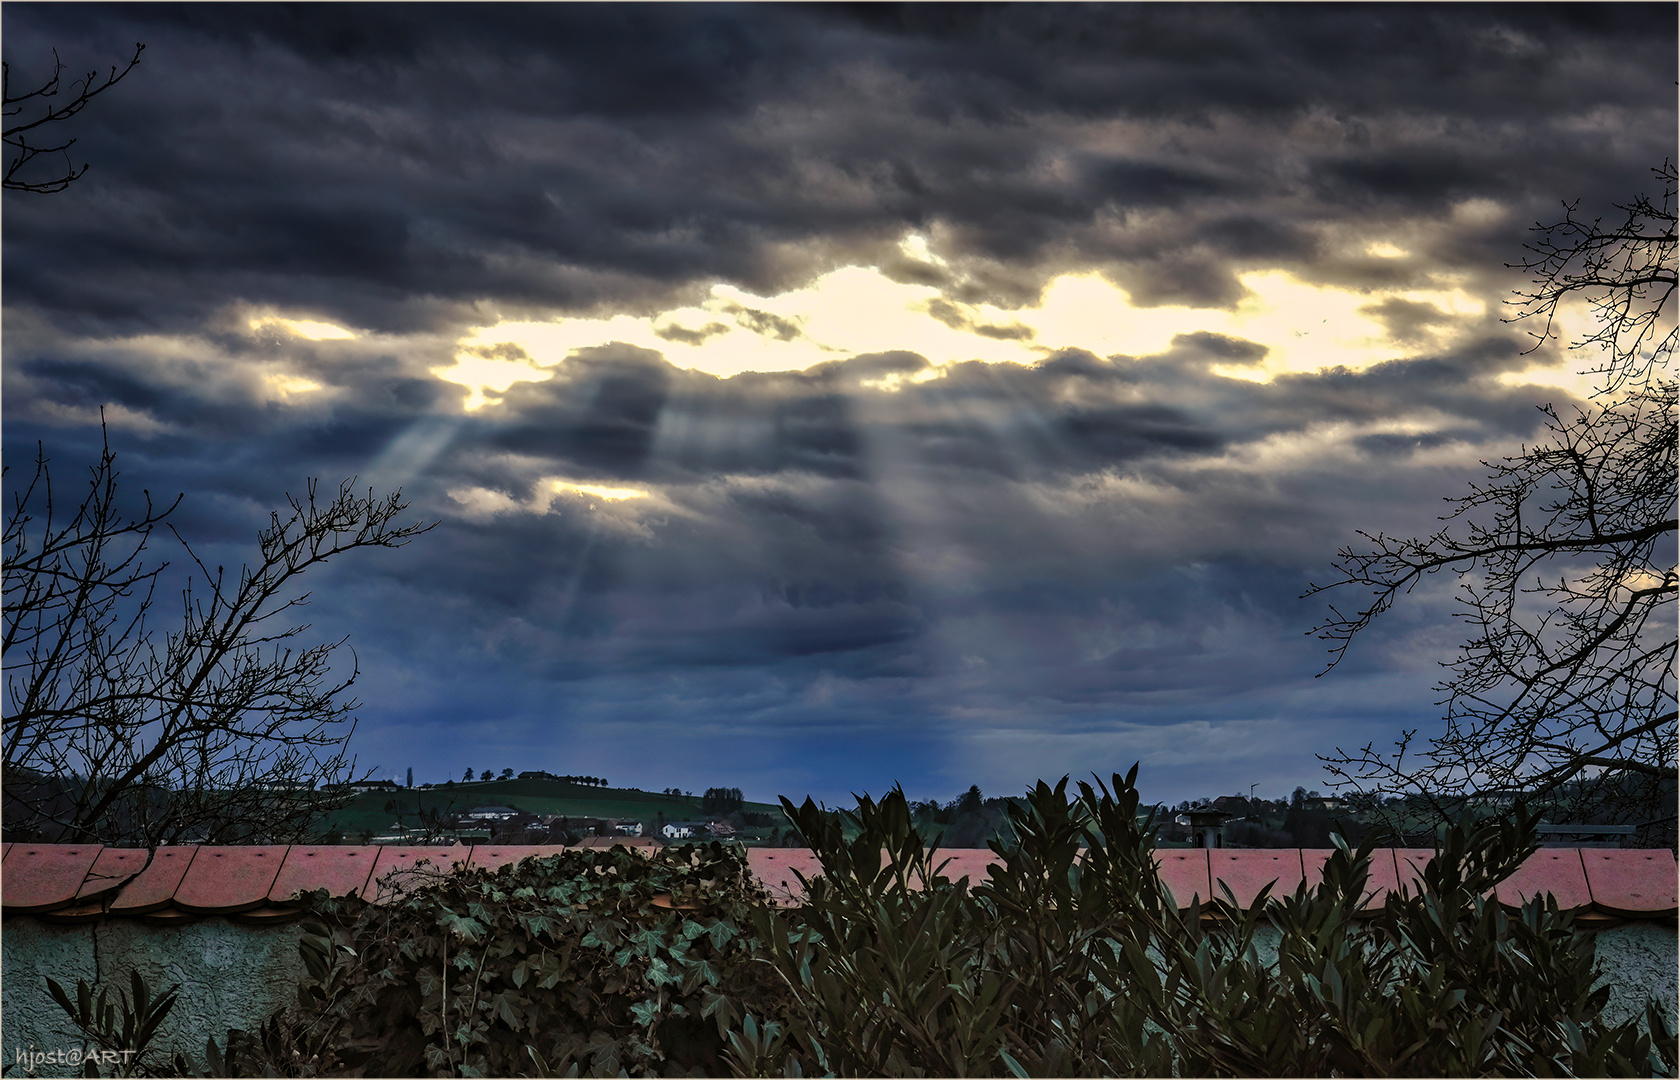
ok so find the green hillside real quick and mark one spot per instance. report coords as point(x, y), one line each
point(366, 811)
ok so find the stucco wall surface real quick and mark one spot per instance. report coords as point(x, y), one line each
point(235, 974)
point(1640, 960)
point(230, 975)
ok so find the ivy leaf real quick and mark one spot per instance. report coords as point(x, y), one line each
point(721, 933)
point(645, 1012)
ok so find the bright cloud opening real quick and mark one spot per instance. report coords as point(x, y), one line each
point(309, 329)
point(610, 493)
point(858, 309)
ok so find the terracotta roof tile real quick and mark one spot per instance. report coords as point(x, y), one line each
point(1409, 863)
point(40, 877)
point(1385, 878)
point(1550, 870)
point(67, 882)
point(972, 863)
point(269, 913)
point(1185, 872)
point(1248, 870)
point(227, 879)
point(156, 885)
point(1312, 864)
point(405, 863)
point(634, 843)
point(484, 856)
point(1632, 881)
point(171, 915)
point(81, 911)
point(338, 869)
point(774, 869)
point(113, 867)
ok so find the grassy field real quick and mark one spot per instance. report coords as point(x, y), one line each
point(367, 813)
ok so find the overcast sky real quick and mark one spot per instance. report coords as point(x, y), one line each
point(817, 398)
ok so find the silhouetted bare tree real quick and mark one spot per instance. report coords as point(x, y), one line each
point(1626, 275)
point(222, 728)
point(1565, 692)
point(31, 111)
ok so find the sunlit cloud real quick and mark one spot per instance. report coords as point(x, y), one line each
point(481, 503)
point(309, 329)
point(613, 494)
point(860, 309)
point(288, 386)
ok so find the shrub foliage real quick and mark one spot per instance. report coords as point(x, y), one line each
point(1072, 959)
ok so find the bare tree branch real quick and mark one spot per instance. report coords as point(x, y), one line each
point(1564, 693)
point(1626, 275)
point(36, 108)
point(223, 728)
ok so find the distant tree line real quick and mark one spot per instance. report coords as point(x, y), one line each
point(535, 774)
point(721, 800)
point(968, 821)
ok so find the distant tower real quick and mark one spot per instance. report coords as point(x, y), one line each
point(411, 776)
point(1207, 825)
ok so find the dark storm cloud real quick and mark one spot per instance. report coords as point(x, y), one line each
point(598, 412)
point(868, 565)
point(392, 166)
point(974, 444)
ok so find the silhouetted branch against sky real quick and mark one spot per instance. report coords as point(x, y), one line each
point(53, 101)
point(1564, 691)
point(818, 397)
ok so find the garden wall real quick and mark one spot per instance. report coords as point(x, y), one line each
point(215, 920)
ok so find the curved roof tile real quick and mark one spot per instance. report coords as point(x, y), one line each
point(69, 882)
point(1631, 882)
point(223, 879)
point(339, 870)
point(1185, 872)
point(113, 868)
point(155, 887)
point(1248, 870)
point(40, 877)
point(486, 857)
point(1550, 870)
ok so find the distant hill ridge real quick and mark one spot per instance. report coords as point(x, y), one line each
point(366, 811)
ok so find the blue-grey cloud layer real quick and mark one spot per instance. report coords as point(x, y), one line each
point(990, 575)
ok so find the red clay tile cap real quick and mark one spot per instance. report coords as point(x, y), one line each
point(1248, 870)
point(972, 863)
point(1550, 870)
point(171, 915)
point(485, 856)
point(774, 868)
point(1185, 872)
point(268, 913)
point(40, 877)
point(81, 911)
point(341, 870)
point(1384, 878)
point(1312, 865)
point(155, 887)
point(1634, 882)
point(405, 862)
point(634, 843)
point(1409, 864)
point(222, 880)
point(113, 867)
